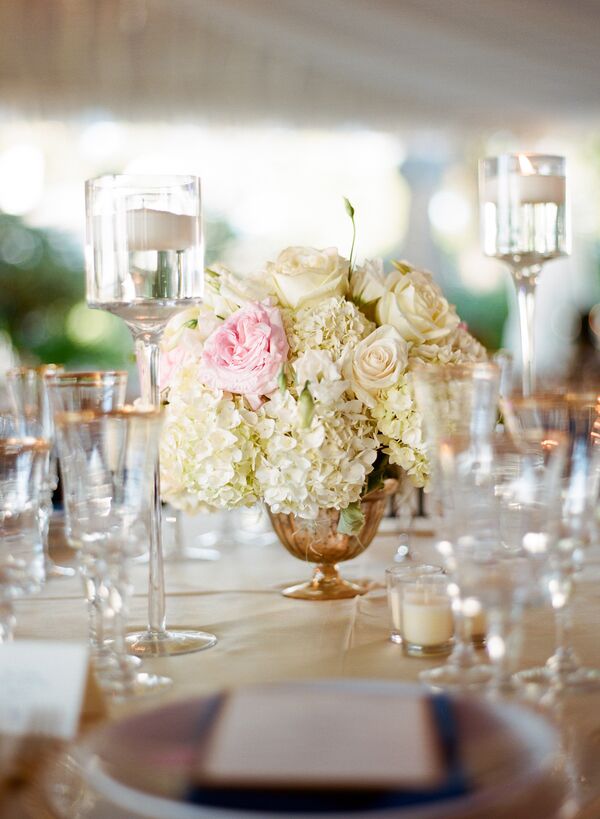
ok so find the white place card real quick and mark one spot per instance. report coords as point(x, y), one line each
point(42, 684)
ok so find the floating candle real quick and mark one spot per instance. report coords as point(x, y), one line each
point(160, 230)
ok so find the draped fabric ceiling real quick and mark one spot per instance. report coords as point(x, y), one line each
point(384, 63)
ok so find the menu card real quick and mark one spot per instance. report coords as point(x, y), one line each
point(42, 684)
point(319, 736)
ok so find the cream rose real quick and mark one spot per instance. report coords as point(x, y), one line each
point(303, 274)
point(377, 363)
point(415, 306)
point(226, 291)
point(367, 285)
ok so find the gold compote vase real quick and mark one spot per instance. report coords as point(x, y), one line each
point(320, 542)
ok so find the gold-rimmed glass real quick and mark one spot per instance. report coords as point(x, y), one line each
point(23, 477)
point(29, 398)
point(99, 391)
point(108, 464)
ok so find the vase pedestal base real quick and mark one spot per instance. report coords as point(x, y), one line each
point(326, 584)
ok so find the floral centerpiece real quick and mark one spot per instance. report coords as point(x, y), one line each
point(291, 386)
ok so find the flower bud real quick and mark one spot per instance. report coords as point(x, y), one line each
point(306, 406)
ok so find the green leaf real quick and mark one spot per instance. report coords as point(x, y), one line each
point(350, 211)
point(351, 520)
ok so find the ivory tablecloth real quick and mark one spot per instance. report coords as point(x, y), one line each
point(265, 637)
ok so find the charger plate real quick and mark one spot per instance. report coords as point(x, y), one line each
point(139, 767)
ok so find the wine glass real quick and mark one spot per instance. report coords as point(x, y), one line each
point(577, 417)
point(23, 477)
point(144, 261)
point(458, 399)
point(75, 392)
point(108, 464)
point(27, 389)
point(524, 223)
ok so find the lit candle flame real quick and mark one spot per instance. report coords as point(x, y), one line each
point(525, 165)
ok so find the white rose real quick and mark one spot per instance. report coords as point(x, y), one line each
point(227, 291)
point(367, 285)
point(323, 375)
point(377, 363)
point(415, 306)
point(190, 329)
point(302, 275)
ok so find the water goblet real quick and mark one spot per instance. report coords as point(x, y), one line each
point(108, 462)
point(524, 224)
point(23, 477)
point(27, 390)
point(144, 260)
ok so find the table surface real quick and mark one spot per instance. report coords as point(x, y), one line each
point(263, 636)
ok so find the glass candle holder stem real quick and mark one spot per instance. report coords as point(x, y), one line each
point(148, 358)
point(526, 283)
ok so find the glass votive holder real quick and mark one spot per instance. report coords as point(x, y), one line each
point(427, 624)
point(395, 576)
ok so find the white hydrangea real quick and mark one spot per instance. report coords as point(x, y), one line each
point(322, 466)
point(210, 446)
point(334, 325)
point(459, 348)
point(399, 425)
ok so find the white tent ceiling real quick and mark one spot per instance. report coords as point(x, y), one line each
point(398, 63)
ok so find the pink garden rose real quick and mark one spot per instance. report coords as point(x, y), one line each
point(170, 362)
point(245, 354)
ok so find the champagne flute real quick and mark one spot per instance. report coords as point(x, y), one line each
point(524, 223)
point(144, 261)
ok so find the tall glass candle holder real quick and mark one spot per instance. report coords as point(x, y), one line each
point(145, 262)
point(524, 223)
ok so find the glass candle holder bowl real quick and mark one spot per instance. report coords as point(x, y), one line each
point(395, 578)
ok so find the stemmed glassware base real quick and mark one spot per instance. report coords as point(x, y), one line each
point(547, 676)
point(456, 676)
point(166, 643)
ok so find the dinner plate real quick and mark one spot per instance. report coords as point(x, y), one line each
point(140, 766)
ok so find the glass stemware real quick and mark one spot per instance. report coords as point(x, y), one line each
point(455, 400)
point(488, 529)
point(144, 259)
point(524, 223)
point(108, 462)
point(23, 477)
point(75, 392)
point(577, 417)
point(27, 389)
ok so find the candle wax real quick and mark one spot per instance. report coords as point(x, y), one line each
point(426, 618)
point(159, 230)
point(533, 189)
